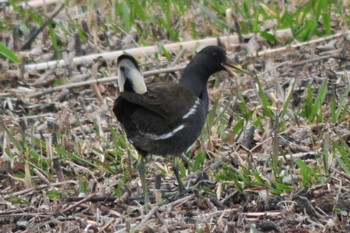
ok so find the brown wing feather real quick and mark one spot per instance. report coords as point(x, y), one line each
point(169, 100)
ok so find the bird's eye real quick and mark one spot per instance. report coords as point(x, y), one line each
point(215, 54)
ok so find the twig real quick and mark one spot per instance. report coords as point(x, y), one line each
point(94, 86)
point(346, 176)
point(302, 155)
point(42, 177)
point(318, 40)
point(102, 80)
point(274, 68)
point(27, 44)
point(147, 217)
point(104, 228)
point(86, 199)
point(16, 211)
point(92, 199)
point(179, 201)
point(58, 169)
point(306, 204)
point(316, 59)
point(37, 188)
point(162, 220)
point(24, 215)
point(263, 213)
point(143, 51)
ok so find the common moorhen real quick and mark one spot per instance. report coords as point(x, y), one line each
point(165, 118)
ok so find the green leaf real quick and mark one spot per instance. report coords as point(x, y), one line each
point(306, 172)
point(199, 160)
point(283, 187)
point(333, 108)
point(53, 194)
point(344, 160)
point(268, 36)
point(260, 180)
point(63, 152)
point(15, 142)
point(343, 102)
point(119, 189)
point(8, 53)
point(54, 41)
point(326, 21)
point(287, 100)
point(19, 200)
point(238, 126)
point(166, 53)
point(264, 100)
point(322, 92)
point(83, 185)
point(238, 185)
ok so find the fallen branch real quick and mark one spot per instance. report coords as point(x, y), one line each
point(148, 50)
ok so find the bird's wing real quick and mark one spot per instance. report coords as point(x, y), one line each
point(171, 101)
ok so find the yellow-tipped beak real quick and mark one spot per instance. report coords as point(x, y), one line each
point(232, 68)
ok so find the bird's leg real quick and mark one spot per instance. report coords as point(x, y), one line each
point(176, 168)
point(142, 170)
point(186, 161)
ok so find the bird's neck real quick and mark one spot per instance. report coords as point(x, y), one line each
point(196, 82)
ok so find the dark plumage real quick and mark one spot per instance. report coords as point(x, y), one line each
point(166, 118)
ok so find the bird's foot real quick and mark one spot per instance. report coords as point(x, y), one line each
point(172, 196)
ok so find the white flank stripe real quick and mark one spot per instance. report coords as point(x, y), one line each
point(164, 136)
point(192, 110)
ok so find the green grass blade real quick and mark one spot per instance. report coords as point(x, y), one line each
point(343, 160)
point(287, 100)
point(342, 103)
point(238, 126)
point(306, 172)
point(322, 92)
point(15, 142)
point(65, 153)
point(268, 36)
point(7, 53)
point(264, 100)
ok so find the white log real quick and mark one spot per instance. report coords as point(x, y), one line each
point(150, 50)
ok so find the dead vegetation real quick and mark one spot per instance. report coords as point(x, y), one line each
point(273, 157)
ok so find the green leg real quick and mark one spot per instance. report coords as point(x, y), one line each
point(176, 167)
point(187, 162)
point(142, 169)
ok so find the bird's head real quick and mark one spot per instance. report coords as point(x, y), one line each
point(129, 75)
point(213, 59)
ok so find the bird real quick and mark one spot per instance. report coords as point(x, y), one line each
point(166, 118)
